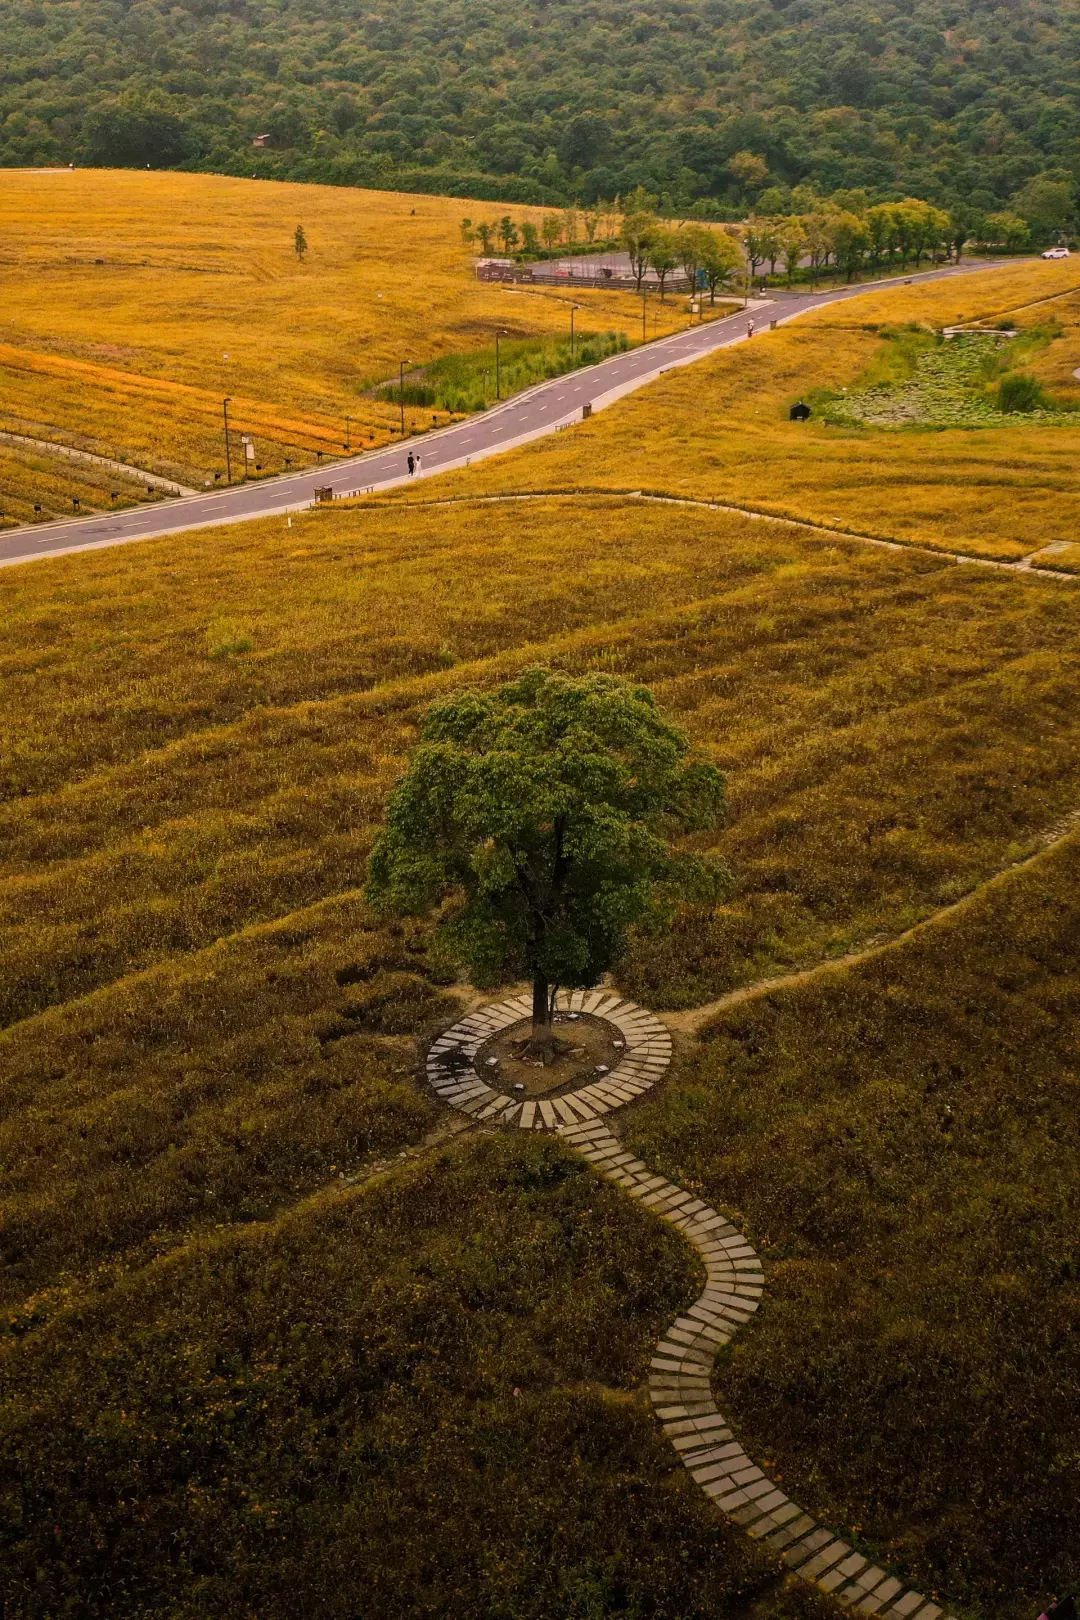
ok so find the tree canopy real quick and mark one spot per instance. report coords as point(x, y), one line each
point(552, 102)
point(540, 818)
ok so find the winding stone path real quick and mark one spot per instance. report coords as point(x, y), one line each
point(680, 1381)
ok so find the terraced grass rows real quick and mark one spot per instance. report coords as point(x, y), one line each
point(781, 659)
point(36, 485)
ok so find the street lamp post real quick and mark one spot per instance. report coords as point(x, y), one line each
point(401, 394)
point(348, 434)
point(228, 457)
point(643, 315)
point(573, 308)
point(498, 375)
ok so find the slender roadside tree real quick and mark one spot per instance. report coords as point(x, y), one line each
point(850, 242)
point(664, 257)
point(550, 230)
point(300, 243)
point(793, 248)
point(538, 819)
point(690, 244)
point(757, 240)
point(637, 236)
point(720, 260)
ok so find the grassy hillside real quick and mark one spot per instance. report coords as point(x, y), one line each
point(411, 1398)
point(204, 740)
point(133, 303)
point(256, 1371)
point(720, 429)
point(901, 1141)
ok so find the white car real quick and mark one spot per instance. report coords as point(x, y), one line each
point(1056, 253)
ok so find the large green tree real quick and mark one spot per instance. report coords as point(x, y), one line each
point(539, 819)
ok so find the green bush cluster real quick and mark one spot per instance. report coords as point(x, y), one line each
point(1019, 391)
point(467, 381)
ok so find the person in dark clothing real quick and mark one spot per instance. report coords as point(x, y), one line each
point(412, 464)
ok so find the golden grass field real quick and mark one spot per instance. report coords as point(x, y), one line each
point(719, 430)
point(204, 1030)
point(39, 478)
point(132, 303)
point(899, 1139)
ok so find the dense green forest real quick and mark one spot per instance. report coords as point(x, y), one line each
point(714, 101)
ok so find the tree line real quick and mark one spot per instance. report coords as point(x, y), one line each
point(850, 234)
point(845, 233)
point(710, 104)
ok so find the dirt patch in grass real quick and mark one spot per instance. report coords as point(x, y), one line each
point(588, 1048)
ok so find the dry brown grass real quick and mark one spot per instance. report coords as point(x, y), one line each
point(201, 741)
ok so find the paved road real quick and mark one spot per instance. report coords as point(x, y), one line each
point(539, 411)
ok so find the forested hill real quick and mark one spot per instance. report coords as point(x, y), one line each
point(553, 100)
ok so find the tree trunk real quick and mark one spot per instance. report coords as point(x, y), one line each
point(542, 1040)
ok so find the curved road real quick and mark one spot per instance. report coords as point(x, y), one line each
point(538, 411)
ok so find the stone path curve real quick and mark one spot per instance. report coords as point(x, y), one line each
point(680, 1371)
point(450, 1071)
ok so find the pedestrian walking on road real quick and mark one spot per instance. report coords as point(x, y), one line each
point(418, 465)
point(412, 463)
point(749, 328)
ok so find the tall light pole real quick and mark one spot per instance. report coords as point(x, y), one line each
point(401, 394)
point(498, 375)
point(348, 434)
point(643, 315)
point(228, 458)
point(573, 308)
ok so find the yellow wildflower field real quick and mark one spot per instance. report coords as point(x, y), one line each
point(133, 303)
point(720, 430)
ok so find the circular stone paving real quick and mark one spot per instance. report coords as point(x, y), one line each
point(452, 1072)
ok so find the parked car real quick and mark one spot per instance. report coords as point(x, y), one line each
point(1056, 253)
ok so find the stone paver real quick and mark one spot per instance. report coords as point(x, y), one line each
point(646, 1056)
point(679, 1371)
